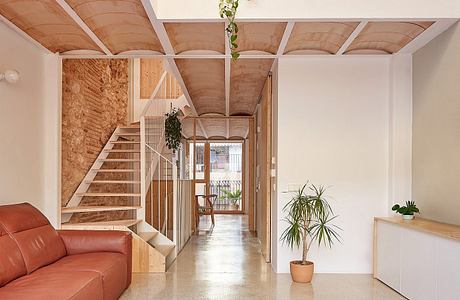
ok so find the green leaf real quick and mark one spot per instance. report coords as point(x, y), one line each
point(233, 38)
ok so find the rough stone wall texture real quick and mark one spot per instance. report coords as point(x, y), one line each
point(94, 103)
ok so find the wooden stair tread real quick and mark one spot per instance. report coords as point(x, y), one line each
point(127, 223)
point(114, 181)
point(123, 151)
point(164, 249)
point(94, 208)
point(108, 195)
point(125, 142)
point(147, 236)
point(130, 127)
point(120, 160)
point(129, 133)
point(116, 170)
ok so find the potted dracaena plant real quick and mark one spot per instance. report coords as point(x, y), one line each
point(407, 211)
point(309, 219)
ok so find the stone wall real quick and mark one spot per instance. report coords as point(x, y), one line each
point(94, 103)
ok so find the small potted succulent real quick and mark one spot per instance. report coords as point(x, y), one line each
point(309, 217)
point(407, 211)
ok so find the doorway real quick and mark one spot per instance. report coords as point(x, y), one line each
point(219, 171)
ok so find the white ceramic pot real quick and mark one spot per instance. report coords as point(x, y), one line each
point(408, 217)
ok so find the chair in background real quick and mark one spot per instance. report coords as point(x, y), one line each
point(205, 207)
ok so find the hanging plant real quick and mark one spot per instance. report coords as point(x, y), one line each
point(173, 130)
point(227, 9)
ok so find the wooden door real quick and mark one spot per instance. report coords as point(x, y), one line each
point(263, 166)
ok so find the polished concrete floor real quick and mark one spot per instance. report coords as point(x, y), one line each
point(225, 263)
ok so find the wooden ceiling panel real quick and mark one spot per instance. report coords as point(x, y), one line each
point(187, 129)
point(260, 36)
point(204, 79)
point(122, 25)
point(320, 37)
point(208, 36)
point(246, 82)
point(238, 128)
point(386, 37)
point(215, 127)
point(46, 22)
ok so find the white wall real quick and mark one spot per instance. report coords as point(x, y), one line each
point(334, 130)
point(436, 165)
point(28, 125)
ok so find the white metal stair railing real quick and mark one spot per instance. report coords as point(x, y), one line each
point(156, 168)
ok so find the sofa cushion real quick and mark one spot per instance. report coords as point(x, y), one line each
point(54, 285)
point(11, 263)
point(112, 267)
point(37, 240)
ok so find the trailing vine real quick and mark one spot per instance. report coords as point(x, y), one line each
point(227, 9)
point(173, 130)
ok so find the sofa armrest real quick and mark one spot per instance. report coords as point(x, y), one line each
point(87, 241)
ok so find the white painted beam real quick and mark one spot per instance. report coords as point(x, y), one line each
point(83, 26)
point(285, 38)
point(429, 34)
point(169, 51)
point(228, 64)
point(227, 135)
point(352, 37)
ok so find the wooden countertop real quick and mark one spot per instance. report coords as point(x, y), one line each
point(437, 228)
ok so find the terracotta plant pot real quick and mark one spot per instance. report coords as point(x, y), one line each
point(302, 273)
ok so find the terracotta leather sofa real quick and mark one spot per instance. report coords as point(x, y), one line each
point(39, 263)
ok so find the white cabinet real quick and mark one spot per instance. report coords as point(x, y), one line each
point(388, 254)
point(419, 264)
point(447, 266)
point(418, 277)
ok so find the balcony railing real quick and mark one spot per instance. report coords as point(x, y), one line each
point(227, 192)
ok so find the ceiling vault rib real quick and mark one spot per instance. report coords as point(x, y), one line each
point(352, 37)
point(66, 7)
point(160, 30)
point(285, 38)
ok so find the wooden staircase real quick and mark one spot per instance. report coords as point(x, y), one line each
point(112, 186)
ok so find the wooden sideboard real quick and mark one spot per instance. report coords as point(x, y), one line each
point(419, 258)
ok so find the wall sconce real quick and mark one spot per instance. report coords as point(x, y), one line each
point(10, 76)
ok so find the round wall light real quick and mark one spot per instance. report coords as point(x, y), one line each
point(10, 76)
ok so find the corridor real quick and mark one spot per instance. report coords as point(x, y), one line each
point(225, 263)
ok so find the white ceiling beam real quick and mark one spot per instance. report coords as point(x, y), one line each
point(227, 135)
point(285, 38)
point(24, 35)
point(228, 65)
point(258, 20)
point(83, 26)
point(352, 37)
point(169, 50)
point(426, 36)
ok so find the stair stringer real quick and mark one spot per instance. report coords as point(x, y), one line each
point(145, 258)
point(159, 240)
point(90, 175)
